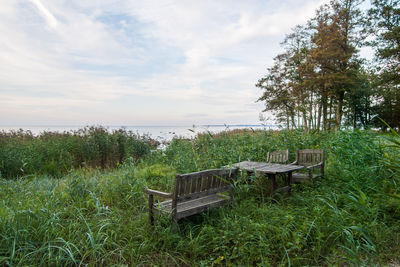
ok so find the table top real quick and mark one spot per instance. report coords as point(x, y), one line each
point(269, 168)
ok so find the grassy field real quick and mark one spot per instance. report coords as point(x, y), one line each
point(99, 217)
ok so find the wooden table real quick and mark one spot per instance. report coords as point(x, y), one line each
point(271, 169)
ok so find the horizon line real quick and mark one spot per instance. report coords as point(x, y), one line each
point(91, 125)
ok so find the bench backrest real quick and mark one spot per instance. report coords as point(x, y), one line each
point(278, 156)
point(198, 184)
point(308, 157)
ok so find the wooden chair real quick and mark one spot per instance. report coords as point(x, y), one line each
point(278, 157)
point(312, 159)
point(194, 193)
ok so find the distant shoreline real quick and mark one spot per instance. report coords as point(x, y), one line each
point(122, 126)
point(157, 132)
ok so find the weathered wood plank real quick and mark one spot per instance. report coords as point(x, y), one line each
point(181, 184)
point(301, 177)
point(249, 165)
point(200, 205)
point(309, 150)
point(214, 182)
point(198, 185)
point(278, 168)
point(158, 193)
point(189, 203)
point(278, 156)
point(193, 184)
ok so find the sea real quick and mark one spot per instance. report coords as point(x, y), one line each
point(160, 133)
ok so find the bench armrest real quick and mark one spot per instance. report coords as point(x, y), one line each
point(315, 166)
point(293, 163)
point(158, 193)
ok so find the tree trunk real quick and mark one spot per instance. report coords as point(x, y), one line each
point(339, 110)
point(319, 116)
point(324, 113)
point(310, 120)
point(287, 118)
point(354, 118)
point(330, 113)
point(293, 120)
point(305, 125)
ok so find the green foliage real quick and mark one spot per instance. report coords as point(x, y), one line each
point(384, 22)
point(320, 81)
point(92, 218)
point(54, 154)
point(319, 78)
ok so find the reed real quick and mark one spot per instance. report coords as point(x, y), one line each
point(99, 217)
point(55, 154)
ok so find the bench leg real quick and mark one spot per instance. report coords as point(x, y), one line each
point(151, 216)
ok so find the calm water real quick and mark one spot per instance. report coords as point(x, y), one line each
point(161, 133)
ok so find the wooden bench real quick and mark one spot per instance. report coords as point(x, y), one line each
point(312, 159)
point(194, 193)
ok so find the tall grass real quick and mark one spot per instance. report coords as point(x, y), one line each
point(52, 153)
point(214, 151)
point(88, 217)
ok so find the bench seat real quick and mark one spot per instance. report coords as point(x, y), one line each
point(312, 159)
point(298, 177)
point(193, 206)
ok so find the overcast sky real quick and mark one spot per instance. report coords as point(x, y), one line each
point(139, 62)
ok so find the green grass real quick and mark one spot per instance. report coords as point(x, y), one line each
point(100, 217)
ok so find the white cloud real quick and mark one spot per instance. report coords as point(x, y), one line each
point(48, 16)
point(203, 55)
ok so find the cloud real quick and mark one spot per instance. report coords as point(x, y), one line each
point(196, 115)
point(91, 55)
point(48, 16)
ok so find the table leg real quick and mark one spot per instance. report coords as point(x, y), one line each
point(273, 178)
point(289, 182)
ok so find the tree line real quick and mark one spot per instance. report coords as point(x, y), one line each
point(320, 81)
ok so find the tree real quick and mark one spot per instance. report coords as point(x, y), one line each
point(319, 78)
point(359, 109)
point(297, 49)
point(285, 92)
point(334, 53)
point(277, 95)
point(384, 23)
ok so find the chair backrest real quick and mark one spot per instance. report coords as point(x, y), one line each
point(308, 157)
point(198, 184)
point(278, 156)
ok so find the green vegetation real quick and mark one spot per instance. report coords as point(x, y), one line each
point(321, 81)
point(100, 218)
point(55, 154)
point(62, 204)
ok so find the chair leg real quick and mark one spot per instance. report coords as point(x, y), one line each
point(151, 216)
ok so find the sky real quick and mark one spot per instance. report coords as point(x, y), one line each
point(169, 62)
